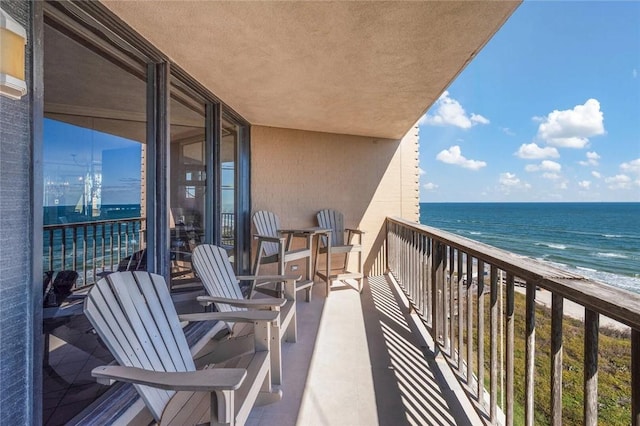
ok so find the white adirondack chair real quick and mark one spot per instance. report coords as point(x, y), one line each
point(134, 315)
point(212, 265)
point(336, 244)
point(275, 246)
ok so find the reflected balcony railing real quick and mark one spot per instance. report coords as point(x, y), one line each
point(506, 350)
point(90, 248)
point(96, 247)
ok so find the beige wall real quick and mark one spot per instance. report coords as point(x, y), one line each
point(295, 173)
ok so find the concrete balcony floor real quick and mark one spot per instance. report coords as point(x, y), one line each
point(359, 360)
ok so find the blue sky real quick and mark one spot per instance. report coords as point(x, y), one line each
point(549, 110)
point(69, 152)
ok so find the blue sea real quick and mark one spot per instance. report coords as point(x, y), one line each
point(597, 240)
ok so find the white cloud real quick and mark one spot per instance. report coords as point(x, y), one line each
point(421, 171)
point(551, 175)
point(596, 175)
point(508, 179)
point(507, 131)
point(572, 128)
point(563, 185)
point(551, 167)
point(453, 155)
point(634, 73)
point(449, 112)
point(631, 166)
point(510, 182)
point(619, 182)
point(429, 186)
point(585, 184)
point(545, 165)
point(477, 118)
point(592, 159)
point(534, 152)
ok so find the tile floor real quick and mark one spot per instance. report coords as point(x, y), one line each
point(74, 350)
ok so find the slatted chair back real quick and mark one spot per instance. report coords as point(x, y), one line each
point(134, 315)
point(334, 220)
point(267, 224)
point(212, 265)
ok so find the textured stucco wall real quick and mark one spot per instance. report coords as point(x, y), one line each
point(295, 173)
point(16, 229)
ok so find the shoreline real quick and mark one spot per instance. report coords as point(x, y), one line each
point(572, 309)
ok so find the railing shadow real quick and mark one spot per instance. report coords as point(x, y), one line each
point(402, 362)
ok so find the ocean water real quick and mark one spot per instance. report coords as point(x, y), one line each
point(597, 240)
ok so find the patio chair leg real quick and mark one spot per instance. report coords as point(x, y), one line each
point(276, 355)
point(224, 401)
point(315, 260)
point(256, 267)
point(361, 271)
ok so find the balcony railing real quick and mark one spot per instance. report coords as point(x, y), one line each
point(91, 247)
point(448, 279)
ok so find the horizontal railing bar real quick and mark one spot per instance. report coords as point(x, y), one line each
point(525, 268)
point(92, 222)
point(69, 245)
point(618, 304)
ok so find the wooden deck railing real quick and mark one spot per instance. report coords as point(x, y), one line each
point(91, 247)
point(444, 277)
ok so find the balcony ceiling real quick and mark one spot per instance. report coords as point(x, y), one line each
point(361, 68)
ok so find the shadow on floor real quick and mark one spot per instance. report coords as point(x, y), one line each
point(417, 383)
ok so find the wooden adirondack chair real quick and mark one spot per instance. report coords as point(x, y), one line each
point(134, 315)
point(336, 244)
point(212, 265)
point(274, 246)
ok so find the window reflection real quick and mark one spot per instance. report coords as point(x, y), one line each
point(93, 156)
point(228, 150)
point(93, 206)
point(88, 174)
point(187, 184)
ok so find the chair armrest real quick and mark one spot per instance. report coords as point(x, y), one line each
point(243, 303)
point(211, 379)
point(180, 255)
point(280, 240)
point(298, 232)
point(276, 278)
point(237, 316)
point(355, 231)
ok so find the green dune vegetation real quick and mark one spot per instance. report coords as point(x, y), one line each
point(614, 368)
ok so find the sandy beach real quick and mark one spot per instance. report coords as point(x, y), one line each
point(571, 309)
